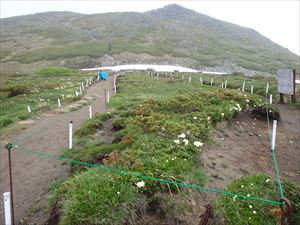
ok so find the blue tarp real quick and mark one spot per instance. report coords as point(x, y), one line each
point(103, 75)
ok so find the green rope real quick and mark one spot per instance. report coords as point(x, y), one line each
point(181, 184)
point(273, 151)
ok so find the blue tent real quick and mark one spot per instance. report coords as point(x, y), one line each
point(103, 75)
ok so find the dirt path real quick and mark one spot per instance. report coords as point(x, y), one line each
point(32, 174)
point(241, 148)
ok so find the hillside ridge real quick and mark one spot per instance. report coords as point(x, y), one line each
point(170, 35)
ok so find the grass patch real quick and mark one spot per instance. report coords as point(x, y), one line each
point(40, 91)
point(237, 210)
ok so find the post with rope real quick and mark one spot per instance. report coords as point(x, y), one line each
point(286, 207)
point(70, 134)
point(9, 147)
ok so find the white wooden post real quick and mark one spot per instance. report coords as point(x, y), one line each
point(90, 110)
point(108, 97)
point(222, 85)
point(76, 93)
point(211, 81)
point(225, 85)
point(7, 208)
point(70, 134)
point(274, 134)
point(91, 79)
point(115, 89)
point(271, 98)
point(29, 109)
point(251, 89)
point(243, 88)
point(190, 79)
point(58, 102)
point(267, 88)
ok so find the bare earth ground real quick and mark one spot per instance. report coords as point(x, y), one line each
point(32, 174)
point(241, 148)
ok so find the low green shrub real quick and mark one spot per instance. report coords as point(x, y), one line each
point(238, 210)
point(96, 197)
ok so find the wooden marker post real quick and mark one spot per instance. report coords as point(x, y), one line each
point(211, 81)
point(222, 85)
point(274, 135)
point(190, 79)
point(7, 208)
point(58, 102)
point(225, 84)
point(271, 98)
point(70, 134)
point(90, 111)
point(108, 97)
point(29, 109)
point(243, 88)
point(251, 89)
point(267, 88)
point(9, 147)
point(87, 83)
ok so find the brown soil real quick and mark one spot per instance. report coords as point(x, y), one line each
point(241, 147)
point(32, 174)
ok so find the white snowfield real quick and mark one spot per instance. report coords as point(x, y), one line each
point(157, 68)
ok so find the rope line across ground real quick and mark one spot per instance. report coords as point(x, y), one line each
point(181, 184)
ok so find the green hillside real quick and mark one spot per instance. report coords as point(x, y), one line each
point(172, 33)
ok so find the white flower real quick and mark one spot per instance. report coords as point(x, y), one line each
point(208, 118)
point(242, 186)
point(118, 192)
point(250, 206)
point(140, 184)
point(182, 135)
point(176, 141)
point(222, 114)
point(234, 198)
point(167, 161)
point(248, 195)
point(247, 100)
point(185, 141)
point(267, 180)
point(254, 212)
point(198, 143)
point(251, 184)
point(195, 117)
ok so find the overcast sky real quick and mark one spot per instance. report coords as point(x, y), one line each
point(277, 20)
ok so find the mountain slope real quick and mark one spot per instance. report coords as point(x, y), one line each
point(170, 34)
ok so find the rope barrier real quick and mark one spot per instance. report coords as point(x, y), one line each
point(181, 184)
